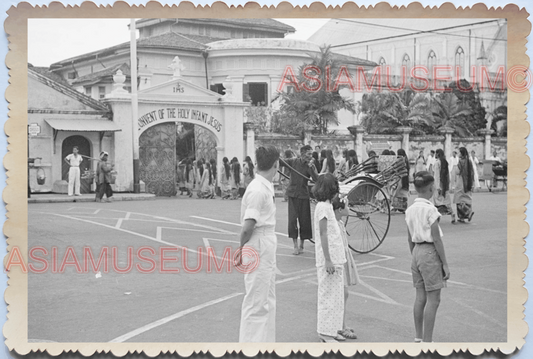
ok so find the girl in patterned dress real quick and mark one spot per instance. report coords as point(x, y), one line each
point(330, 258)
point(351, 277)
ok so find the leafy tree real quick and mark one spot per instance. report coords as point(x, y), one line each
point(259, 115)
point(316, 108)
point(469, 97)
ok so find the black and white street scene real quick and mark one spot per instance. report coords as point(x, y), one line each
point(268, 180)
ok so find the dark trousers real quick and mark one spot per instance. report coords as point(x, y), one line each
point(300, 214)
point(104, 188)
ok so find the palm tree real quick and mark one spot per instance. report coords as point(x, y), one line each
point(386, 111)
point(447, 111)
point(499, 115)
point(318, 109)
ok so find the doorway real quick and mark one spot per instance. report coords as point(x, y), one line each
point(84, 149)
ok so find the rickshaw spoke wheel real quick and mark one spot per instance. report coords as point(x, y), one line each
point(369, 219)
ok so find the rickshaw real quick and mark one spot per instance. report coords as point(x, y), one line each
point(370, 211)
point(369, 207)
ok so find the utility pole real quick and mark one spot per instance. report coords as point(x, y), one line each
point(134, 106)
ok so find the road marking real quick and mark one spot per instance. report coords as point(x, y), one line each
point(313, 270)
point(160, 229)
point(78, 208)
point(293, 256)
point(172, 317)
point(294, 278)
point(119, 223)
point(385, 258)
point(480, 313)
point(381, 297)
point(449, 281)
point(389, 279)
point(239, 225)
point(126, 231)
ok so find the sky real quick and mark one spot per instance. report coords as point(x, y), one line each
point(53, 40)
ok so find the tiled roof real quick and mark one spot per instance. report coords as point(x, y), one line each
point(258, 23)
point(110, 71)
point(170, 40)
point(45, 71)
point(68, 91)
point(175, 40)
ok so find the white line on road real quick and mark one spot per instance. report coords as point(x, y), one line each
point(449, 281)
point(125, 231)
point(480, 313)
point(239, 225)
point(294, 278)
point(165, 320)
point(119, 223)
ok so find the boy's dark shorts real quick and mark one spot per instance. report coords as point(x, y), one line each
point(427, 267)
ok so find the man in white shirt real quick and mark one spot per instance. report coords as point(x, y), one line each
point(258, 241)
point(492, 183)
point(74, 160)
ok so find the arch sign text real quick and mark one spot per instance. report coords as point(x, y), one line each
point(176, 113)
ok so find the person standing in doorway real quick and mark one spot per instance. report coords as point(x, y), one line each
point(103, 178)
point(302, 169)
point(74, 160)
point(258, 219)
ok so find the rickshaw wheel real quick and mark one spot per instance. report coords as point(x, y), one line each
point(369, 219)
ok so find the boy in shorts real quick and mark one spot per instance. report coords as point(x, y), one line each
point(429, 266)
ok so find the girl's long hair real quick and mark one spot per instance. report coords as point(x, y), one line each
point(236, 170)
point(187, 168)
point(330, 161)
point(405, 179)
point(469, 175)
point(444, 172)
point(250, 166)
point(227, 167)
point(352, 158)
point(200, 165)
point(208, 168)
point(213, 167)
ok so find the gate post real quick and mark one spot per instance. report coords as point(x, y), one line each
point(357, 133)
point(447, 132)
point(487, 142)
point(405, 131)
point(249, 132)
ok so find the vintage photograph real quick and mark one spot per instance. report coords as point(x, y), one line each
point(269, 180)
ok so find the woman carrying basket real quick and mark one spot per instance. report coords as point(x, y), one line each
point(103, 178)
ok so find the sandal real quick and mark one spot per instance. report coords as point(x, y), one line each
point(347, 333)
point(327, 339)
point(296, 251)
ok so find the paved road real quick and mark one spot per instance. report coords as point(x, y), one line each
point(205, 307)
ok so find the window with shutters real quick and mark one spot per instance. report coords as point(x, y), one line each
point(101, 92)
